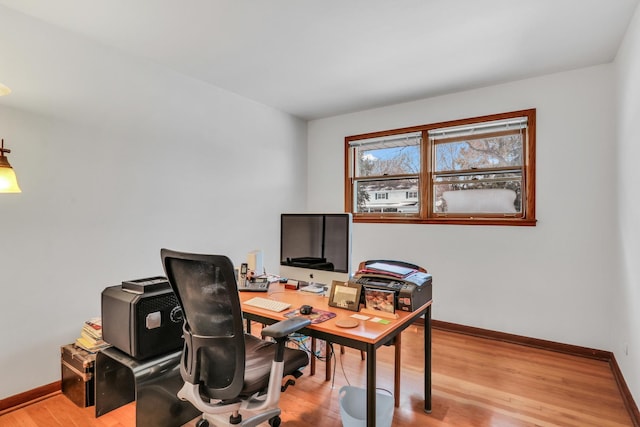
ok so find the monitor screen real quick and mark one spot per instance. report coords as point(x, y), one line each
point(316, 242)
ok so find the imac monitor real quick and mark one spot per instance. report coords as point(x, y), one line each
point(315, 248)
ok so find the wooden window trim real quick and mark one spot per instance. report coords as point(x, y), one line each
point(425, 178)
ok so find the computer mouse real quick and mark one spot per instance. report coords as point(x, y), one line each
point(306, 309)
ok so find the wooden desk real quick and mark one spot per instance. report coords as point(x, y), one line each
point(367, 336)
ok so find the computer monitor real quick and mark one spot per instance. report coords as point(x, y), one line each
point(315, 247)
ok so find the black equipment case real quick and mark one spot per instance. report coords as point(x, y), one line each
point(77, 367)
point(142, 317)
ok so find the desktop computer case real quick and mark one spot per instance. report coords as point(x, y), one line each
point(77, 366)
point(142, 324)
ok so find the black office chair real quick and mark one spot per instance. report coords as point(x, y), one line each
point(224, 369)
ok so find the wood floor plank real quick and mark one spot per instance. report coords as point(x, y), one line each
point(476, 382)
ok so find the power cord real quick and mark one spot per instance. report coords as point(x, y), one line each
point(300, 342)
point(344, 374)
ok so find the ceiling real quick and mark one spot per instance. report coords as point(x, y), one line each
point(321, 58)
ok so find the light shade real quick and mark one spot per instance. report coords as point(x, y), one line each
point(8, 181)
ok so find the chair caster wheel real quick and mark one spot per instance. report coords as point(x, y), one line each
point(275, 422)
point(202, 423)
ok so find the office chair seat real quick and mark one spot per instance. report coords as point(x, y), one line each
point(257, 367)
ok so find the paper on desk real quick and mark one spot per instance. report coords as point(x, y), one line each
point(360, 316)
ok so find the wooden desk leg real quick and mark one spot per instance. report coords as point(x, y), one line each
point(327, 358)
point(361, 352)
point(313, 356)
point(398, 364)
point(371, 385)
point(427, 360)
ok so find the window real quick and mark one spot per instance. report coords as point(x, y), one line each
point(470, 171)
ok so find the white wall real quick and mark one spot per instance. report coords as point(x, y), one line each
point(148, 159)
point(626, 292)
point(551, 281)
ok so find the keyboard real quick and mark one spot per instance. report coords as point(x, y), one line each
point(267, 304)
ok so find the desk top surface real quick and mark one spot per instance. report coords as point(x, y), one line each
point(366, 331)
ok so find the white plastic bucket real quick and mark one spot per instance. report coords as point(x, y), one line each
point(353, 407)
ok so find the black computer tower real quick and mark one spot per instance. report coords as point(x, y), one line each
point(142, 317)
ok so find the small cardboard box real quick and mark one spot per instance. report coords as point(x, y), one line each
point(77, 367)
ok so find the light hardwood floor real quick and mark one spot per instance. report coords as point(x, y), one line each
point(476, 382)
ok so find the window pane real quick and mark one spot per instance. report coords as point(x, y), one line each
point(390, 195)
point(504, 195)
point(479, 153)
point(376, 160)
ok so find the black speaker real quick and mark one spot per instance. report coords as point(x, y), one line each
point(142, 317)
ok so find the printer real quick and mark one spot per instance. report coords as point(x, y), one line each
point(411, 284)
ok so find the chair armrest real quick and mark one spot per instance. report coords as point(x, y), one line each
point(285, 327)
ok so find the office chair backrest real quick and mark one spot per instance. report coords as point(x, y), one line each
point(214, 349)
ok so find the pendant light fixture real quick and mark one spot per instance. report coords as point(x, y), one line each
point(8, 181)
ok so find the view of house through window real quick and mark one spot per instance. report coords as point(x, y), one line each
point(479, 170)
point(388, 172)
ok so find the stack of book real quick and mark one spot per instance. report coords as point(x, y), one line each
point(90, 337)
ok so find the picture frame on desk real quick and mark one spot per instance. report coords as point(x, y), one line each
point(380, 300)
point(345, 295)
point(380, 303)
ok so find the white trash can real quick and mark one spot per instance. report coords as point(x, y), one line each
point(353, 407)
